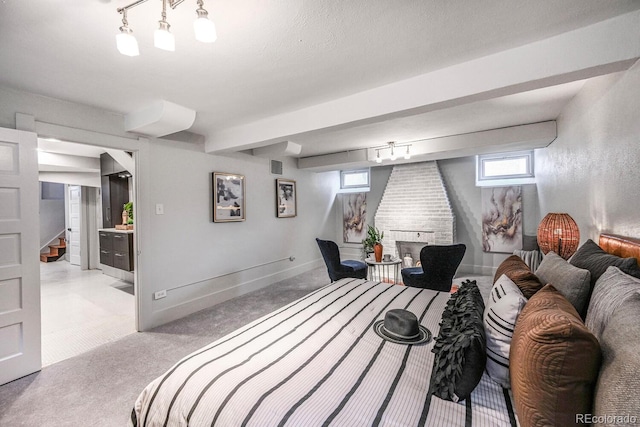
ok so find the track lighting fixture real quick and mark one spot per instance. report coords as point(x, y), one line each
point(393, 152)
point(126, 42)
point(204, 28)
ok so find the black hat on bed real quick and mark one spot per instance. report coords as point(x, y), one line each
point(401, 327)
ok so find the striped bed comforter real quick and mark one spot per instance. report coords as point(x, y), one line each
point(318, 362)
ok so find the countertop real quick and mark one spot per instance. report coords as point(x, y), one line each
point(113, 230)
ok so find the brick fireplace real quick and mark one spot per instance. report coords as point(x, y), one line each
point(415, 210)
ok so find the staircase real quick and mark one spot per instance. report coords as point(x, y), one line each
point(55, 251)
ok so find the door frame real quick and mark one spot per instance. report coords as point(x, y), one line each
point(140, 149)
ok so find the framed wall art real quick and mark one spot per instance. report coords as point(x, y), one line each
point(286, 200)
point(228, 197)
point(354, 217)
point(501, 219)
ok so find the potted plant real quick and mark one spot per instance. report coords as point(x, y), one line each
point(128, 208)
point(372, 243)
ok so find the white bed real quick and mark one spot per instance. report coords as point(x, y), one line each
point(318, 362)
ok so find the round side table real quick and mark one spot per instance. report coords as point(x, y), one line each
point(380, 271)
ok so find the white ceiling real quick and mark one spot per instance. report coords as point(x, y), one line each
point(276, 57)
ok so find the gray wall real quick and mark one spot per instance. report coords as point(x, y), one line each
point(592, 169)
point(378, 181)
point(202, 262)
point(465, 198)
point(51, 214)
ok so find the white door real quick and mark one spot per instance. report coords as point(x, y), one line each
point(19, 256)
point(74, 224)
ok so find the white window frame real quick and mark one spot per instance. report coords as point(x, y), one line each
point(527, 177)
point(363, 187)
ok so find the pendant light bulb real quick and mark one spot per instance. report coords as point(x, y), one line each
point(378, 159)
point(392, 157)
point(407, 155)
point(204, 28)
point(125, 40)
point(163, 39)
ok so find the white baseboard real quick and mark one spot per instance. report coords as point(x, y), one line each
point(208, 293)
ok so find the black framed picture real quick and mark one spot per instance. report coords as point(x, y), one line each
point(228, 197)
point(286, 200)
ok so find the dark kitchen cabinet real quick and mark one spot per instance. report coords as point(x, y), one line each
point(115, 193)
point(115, 190)
point(116, 249)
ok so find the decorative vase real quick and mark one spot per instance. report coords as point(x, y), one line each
point(407, 261)
point(125, 217)
point(377, 250)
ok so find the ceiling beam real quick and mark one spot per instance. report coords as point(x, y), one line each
point(513, 138)
point(602, 48)
point(54, 162)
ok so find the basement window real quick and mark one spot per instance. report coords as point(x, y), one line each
point(355, 180)
point(505, 168)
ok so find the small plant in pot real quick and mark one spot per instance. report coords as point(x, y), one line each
point(127, 212)
point(372, 243)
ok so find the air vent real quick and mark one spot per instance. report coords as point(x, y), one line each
point(276, 167)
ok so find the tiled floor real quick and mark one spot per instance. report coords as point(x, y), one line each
point(81, 310)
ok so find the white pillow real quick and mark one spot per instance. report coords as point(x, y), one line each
point(500, 315)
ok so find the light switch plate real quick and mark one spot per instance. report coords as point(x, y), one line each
point(159, 209)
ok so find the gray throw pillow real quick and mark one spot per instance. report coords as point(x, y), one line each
point(592, 257)
point(572, 282)
point(609, 292)
point(618, 384)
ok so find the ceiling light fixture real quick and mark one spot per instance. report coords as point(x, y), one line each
point(393, 149)
point(125, 40)
point(407, 155)
point(162, 37)
point(204, 28)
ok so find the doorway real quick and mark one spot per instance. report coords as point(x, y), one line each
point(84, 304)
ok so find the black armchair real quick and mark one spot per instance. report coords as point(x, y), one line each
point(338, 270)
point(438, 266)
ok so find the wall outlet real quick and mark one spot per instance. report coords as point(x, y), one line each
point(160, 294)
